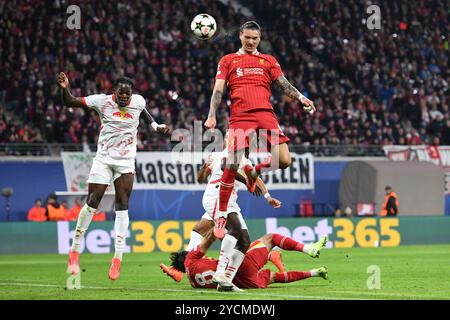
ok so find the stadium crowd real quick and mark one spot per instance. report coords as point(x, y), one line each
point(371, 87)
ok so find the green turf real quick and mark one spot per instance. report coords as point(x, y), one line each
point(408, 272)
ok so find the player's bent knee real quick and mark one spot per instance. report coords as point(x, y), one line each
point(93, 201)
point(285, 163)
point(203, 226)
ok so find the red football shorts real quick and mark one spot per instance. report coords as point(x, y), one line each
point(261, 122)
point(249, 274)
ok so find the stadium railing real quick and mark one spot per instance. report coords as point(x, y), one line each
point(54, 149)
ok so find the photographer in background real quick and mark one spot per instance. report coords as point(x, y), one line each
point(37, 213)
point(390, 205)
point(55, 211)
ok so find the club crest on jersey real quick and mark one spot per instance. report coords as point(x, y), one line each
point(261, 61)
point(123, 114)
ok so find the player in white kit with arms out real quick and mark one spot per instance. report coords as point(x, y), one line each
point(114, 161)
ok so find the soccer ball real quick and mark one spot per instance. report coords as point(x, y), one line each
point(203, 26)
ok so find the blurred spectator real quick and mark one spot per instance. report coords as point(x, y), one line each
point(73, 213)
point(37, 213)
point(55, 211)
point(65, 205)
point(390, 204)
point(366, 84)
point(347, 212)
point(99, 216)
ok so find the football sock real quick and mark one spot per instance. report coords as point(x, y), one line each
point(121, 229)
point(291, 276)
point(236, 260)
point(84, 219)
point(287, 243)
point(226, 251)
point(226, 188)
point(195, 240)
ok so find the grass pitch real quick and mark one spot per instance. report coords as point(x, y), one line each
point(409, 272)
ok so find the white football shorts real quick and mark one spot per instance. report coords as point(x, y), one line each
point(104, 173)
point(211, 208)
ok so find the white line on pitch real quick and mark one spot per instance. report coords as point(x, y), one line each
point(271, 295)
point(378, 293)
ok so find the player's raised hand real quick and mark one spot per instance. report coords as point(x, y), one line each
point(63, 81)
point(274, 202)
point(307, 104)
point(210, 123)
point(162, 128)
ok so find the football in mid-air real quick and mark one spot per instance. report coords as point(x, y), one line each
point(203, 26)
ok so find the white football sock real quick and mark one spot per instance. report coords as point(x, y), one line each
point(84, 219)
point(226, 251)
point(236, 261)
point(195, 240)
point(314, 273)
point(121, 229)
point(306, 248)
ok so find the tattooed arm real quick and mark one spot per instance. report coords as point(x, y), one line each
point(289, 90)
point(216, 98)
point(67, 98)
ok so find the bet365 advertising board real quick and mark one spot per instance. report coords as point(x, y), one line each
point(173, 235)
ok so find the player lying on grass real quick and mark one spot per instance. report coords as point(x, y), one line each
point(237, 240)
point(200, 269)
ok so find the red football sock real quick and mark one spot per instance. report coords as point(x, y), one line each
point(286, 243)
point(291, 276)
point(226, 188)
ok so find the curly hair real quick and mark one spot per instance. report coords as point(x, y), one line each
point(177, 260)
point(125, 80)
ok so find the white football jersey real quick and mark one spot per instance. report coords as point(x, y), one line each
point(212, 189)
point(118, 132)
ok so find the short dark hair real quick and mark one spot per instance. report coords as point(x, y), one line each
point(125, 80)
point(177, 260)
point(252, 25)
point(387, 188)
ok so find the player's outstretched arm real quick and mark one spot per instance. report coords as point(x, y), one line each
point(161, 128)
point(216, 98)
point(207, 241)
point(272, 201)
point(289, 90)
point(67, 98)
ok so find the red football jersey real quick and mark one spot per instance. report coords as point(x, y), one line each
point(200, 269)
point(249, 77)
